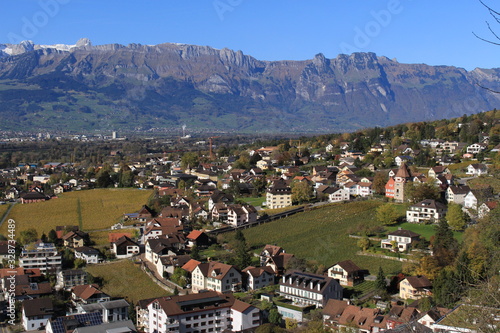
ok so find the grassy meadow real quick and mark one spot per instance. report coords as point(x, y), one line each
point(101, 237)
point(3, 210)
point(126, 279)
point(91, 210)
point(322, 235)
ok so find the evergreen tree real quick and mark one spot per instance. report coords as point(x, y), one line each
point(274, 317)
point(446, 289)
point(380, 283)
point(195, 253)
point(52, 236)
point(444, 244)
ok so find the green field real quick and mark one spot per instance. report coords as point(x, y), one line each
point(126, 279)
point(256, 202)
point(3, 210)
point(92, 209)
point(322, 235)
point(425, 230)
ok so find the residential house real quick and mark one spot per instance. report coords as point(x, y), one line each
point(399, 160)
point(334, 194)
point(87, 294)
point(157, 247)
point(166, 265)
point(275, 257)
point(162, 226)
point(124, 247)
point(32, 197)
point(476, 197)
point(36, 312)
point(75, 238)
point(415, 287)
point(73, 323)
point(347, 273)
point(341, 316)
point(486, 208)
point(278, 195)
point(257, 277)
point(456, 194)
point(477, 169)
point(428, 318)
point(215, 276)
point(43, 256)
point(198, 238)
point(307, 288)
point(70, 278)
point(89, 254)
point(400, 240)
point(438, 171)
point(361, 189)
point(426, 211)
point(241, 214)
point(110, 311)
point(219, 212)
point(476, 148)
point(205, 312)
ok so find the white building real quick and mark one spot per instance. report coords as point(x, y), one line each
point(278, 195)
point(241, 214)
point(258, 277)
point(89, 254)
point(205, 312)
point(402, 238)
point(312, 289)
point(36, 312)
point(215, 276)
point(40, 255)
point(426, 211)
point(477, 169)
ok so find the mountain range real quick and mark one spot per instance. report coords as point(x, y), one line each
point(83, 87)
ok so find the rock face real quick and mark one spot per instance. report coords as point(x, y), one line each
point(83, 86)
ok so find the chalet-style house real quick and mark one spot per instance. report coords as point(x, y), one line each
point(307, 288)
point(415, 287)
point(205, 312)
point(477, 169)
point(75, 238)
point(402, 239)
point(43, 256)
point(334, 194)
point(278, 195)
point(347, 273)
point(36, 312)
point(162, 226)
point(257, 277)
point(426, 211)
point(124, 247)
point(89, 254)
point(439, 170)
point(215, 276)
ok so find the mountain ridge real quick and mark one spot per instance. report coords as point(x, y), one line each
point(143, 87)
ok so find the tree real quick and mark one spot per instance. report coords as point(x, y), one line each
point(456, 217)
point(379, 182)
point(179, 277)
point(296, 264)
point(445, 289)
point(195, 253)
point(444, 245)
point(301, 191)
point(27, 236)
point(189, 159)
point(387, 214)
point(380, 283)
point(274, 317)
point(79, 263)
point(416, 192)
point(364, 243)
point(52, 236)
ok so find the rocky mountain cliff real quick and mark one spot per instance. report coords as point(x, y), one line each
point(86, 87)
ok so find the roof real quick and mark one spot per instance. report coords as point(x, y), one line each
point(38, 307)
point(349, 266)
point(403, 233)
point(86, 250)
point(273, 249)
point(115, 304)
point(67, 324)
point(307, 281)
point(418, 282)
point(258, 271)
point(215, 269)
point(114, 236)
point(194, 234)
point(191, 265)
point(429, 203)
point(122, 326)
point(86, 291)
point(403, 171)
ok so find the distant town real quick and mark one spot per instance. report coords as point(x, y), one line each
point(381, 230)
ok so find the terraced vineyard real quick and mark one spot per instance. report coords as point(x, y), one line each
point(322, 235)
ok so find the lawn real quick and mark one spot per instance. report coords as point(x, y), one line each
point(425, 230)
point(255, 201)
point(322, 235)
point(92, 209)
point(3, 210)
point(126, 279)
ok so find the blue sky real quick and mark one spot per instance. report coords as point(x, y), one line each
point(413, 31)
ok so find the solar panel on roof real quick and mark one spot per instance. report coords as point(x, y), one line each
point(310, 276)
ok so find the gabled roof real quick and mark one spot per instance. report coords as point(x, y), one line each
point(403, 233)
point(258, 271)
point(349, 266)
point(419, 282)
point(215, 269)
point(191, 265)
point(86, 291)
point(429, 203)
point(38, 307)
point(403, 171)
point(114, 236)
